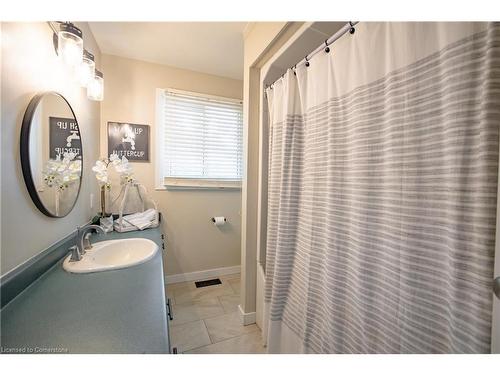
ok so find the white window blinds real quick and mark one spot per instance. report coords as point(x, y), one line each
point(202, 137)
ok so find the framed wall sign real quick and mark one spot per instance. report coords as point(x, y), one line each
point(129, 140)
point(64, 136)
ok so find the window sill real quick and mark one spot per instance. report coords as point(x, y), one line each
point(199, 184)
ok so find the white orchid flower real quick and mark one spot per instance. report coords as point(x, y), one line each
point(121, 166)
point(62, 173)
point(69, 156)
point(75, 167)
point(101, 171)
point(114, 159)
point(99, 167)
point(124, 169)
point(102, 177)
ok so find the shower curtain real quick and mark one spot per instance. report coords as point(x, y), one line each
point(383, 160)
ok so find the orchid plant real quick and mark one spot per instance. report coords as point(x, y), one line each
point(61, 173)
point(121, 166)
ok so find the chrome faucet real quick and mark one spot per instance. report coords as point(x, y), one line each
point(83, 241)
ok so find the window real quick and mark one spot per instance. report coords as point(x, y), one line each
point(200, 140)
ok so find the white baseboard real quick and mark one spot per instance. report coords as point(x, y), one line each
point(246, 318)
point(201, 275)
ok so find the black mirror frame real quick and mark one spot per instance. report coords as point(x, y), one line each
point(25, 153)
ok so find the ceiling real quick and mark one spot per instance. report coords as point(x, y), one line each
point(207, 47)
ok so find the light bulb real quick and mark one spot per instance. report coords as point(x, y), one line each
point(70, 44)
point(86, 70)
point(95, 88)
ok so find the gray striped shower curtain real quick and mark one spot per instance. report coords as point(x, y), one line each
point(383, 160)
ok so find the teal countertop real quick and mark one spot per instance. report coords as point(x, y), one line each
point(119, 311)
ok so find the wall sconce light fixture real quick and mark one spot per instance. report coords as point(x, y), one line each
point(95, 88)
point(86, 70)
point(70, 44)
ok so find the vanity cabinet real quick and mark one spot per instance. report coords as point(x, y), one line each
point(170, 313)
point(118, 311)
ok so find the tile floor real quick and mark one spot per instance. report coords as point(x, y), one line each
point(206, 320)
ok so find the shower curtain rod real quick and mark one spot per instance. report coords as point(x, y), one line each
point(348, 27)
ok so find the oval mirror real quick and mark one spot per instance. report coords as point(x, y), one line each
point(51, 154)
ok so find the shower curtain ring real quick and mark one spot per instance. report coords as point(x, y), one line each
point(327, 49)
point(352, 29)
point(307, 61)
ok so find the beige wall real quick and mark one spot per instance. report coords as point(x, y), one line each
point(257, 41)
point(262, 40)
point(30, 65)
point(193, 242)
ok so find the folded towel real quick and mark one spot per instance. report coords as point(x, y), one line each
point(139, 220)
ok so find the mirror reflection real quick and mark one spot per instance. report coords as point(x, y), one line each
point(55, 154)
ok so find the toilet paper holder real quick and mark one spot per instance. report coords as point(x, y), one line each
point(213, 220)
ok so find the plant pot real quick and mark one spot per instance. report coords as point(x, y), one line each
point(106, 223)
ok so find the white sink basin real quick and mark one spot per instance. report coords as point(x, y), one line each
point(112, 255)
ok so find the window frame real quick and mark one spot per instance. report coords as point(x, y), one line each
point(182, 183)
